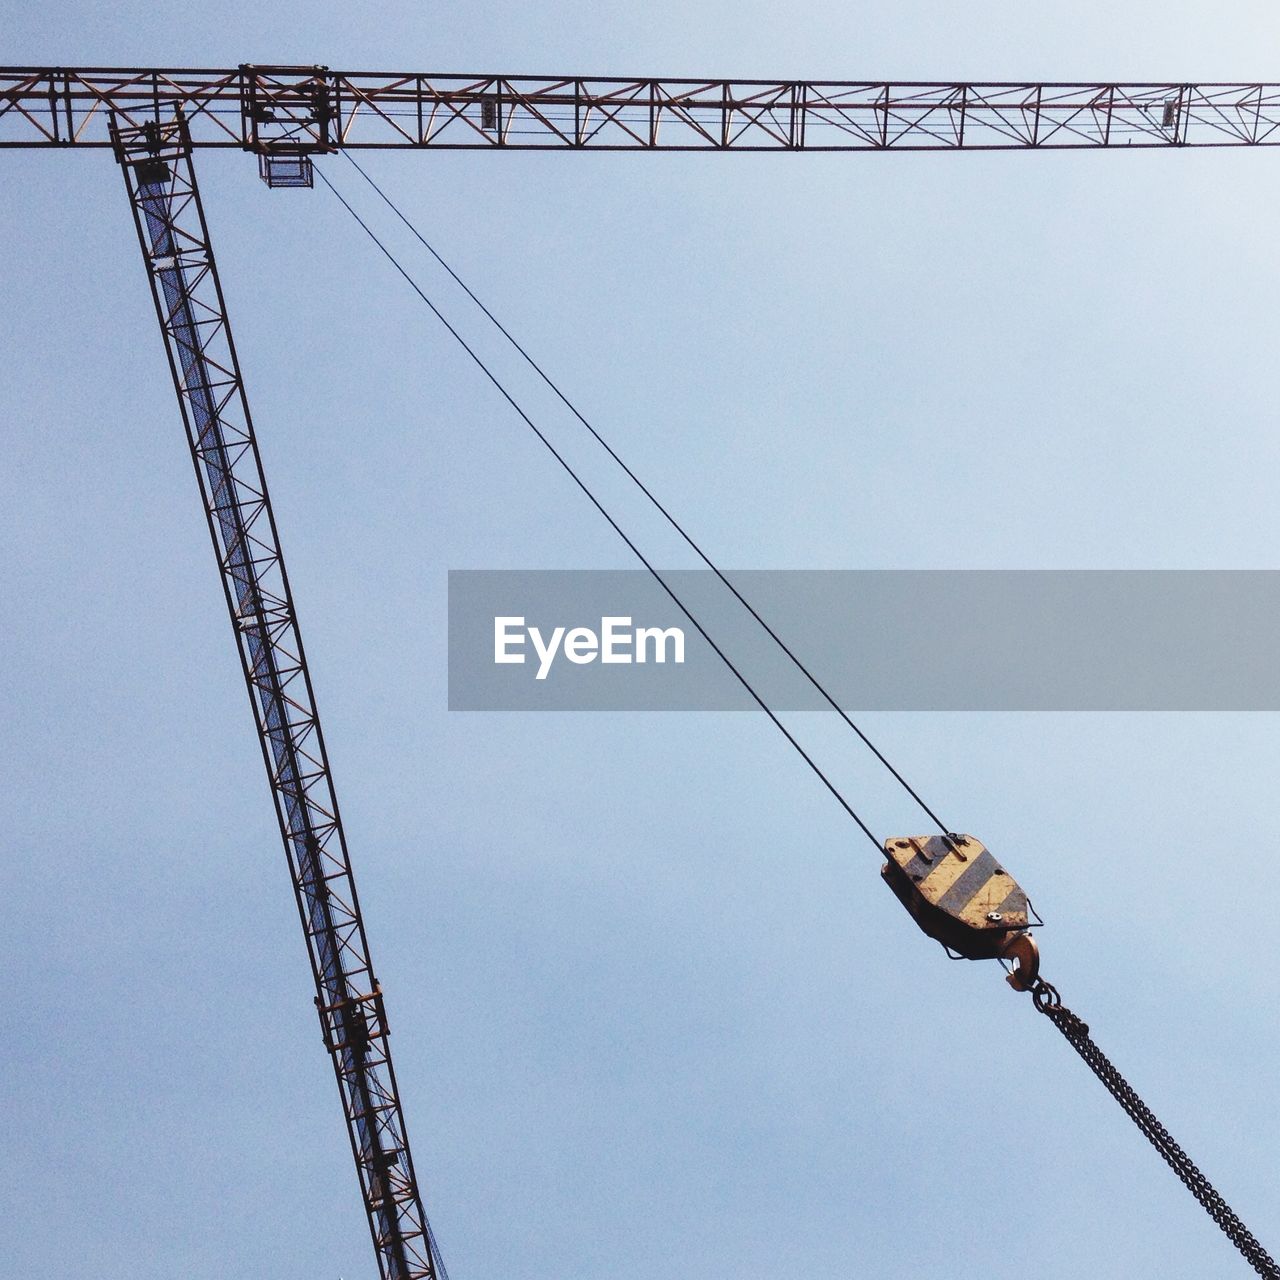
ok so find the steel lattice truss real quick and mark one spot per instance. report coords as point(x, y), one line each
point(307, 109)
point(162, 189)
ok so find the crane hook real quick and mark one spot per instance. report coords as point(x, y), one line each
point(1021, 951)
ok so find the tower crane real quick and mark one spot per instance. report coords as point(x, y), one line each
point(155, 119)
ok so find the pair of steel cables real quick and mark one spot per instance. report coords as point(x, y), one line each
point(1045, 996)
point(591, 497)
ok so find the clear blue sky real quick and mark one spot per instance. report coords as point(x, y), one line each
point(653, 1012)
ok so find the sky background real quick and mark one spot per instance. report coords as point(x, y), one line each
point(652, 1010)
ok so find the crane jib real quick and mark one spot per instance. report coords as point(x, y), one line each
point(300, 110)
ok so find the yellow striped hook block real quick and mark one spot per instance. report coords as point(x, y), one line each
point(960, 895)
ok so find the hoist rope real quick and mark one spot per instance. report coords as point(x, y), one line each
point(1076, 1033)
point(648, 493)
point(1046, 998)
point(600, 507)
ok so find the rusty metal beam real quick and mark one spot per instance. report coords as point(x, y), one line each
point(178, 255)
point(313, 109)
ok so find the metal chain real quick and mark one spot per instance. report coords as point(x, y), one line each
point(1076, 1031)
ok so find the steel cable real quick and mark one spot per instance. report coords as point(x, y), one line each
point(648, 493)
point(600, 507)
point(1046, 998)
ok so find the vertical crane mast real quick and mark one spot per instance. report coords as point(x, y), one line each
point(156, 161)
